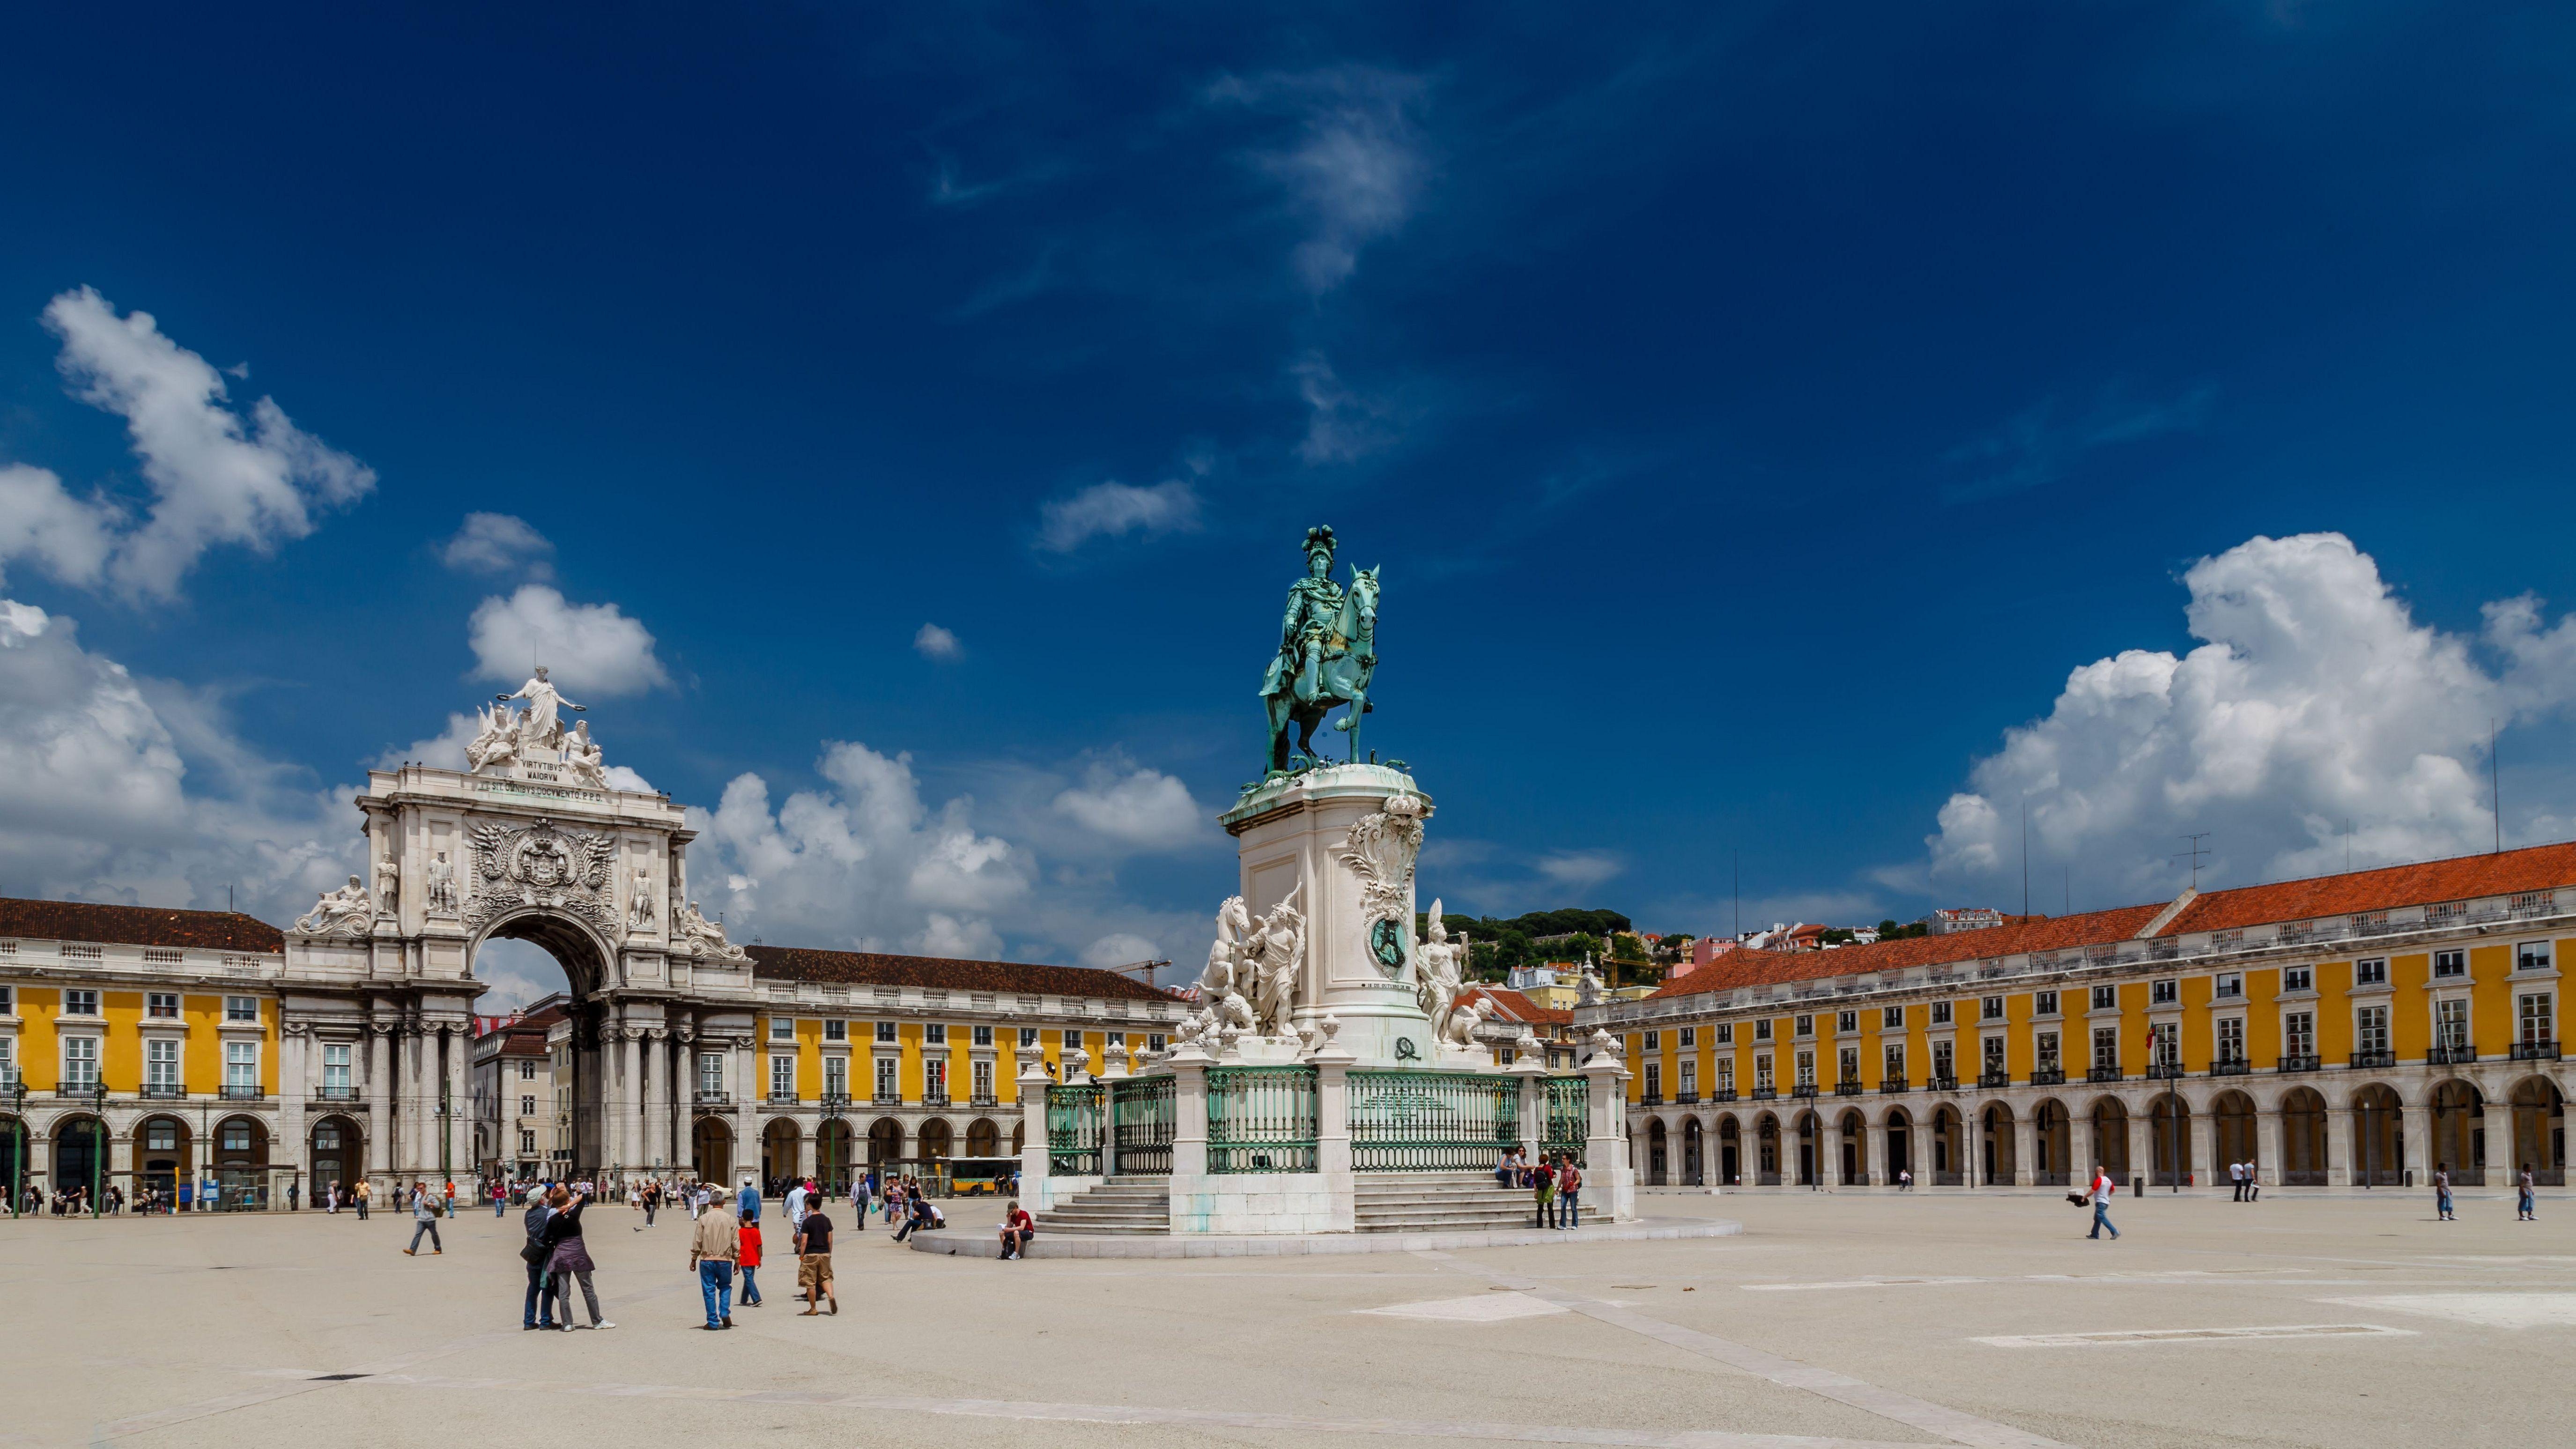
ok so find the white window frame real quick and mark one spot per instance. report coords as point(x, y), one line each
point(983, 1079)
point(153, 1002)
point(241, 1064)
point(2106, 1048)
point(782, 1075)
point(2370, 971)
point(782, 1028)
point(241, 1011)
point(889, 1079)
point(836, 1076)
point(80, 1055)
point(80, 1001)
point(2531, 956)
point(2370, 1029)
point(161, 1063)
point(335, 1059)
point(2535, 1015)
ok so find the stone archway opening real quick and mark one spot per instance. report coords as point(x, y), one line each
point(338, 1149)
point(2303, 1138)
point(2169, 1129)
point(2052, 1144)
point(711, 1150)
point(163, 1156)
point(584, 962)
point(2459, 1136)
point(2539, 1132)
point(2378, 1136)
point(2110, 1140)
point(1656, 1147)
point(80, 1155)
point(2232, 1135)
point(1855, 1172)
point(1998, 1160)
point(1730, 1153)
point(885, 1141)
point(1694, 1154)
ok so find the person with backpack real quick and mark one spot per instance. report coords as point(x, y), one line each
point(1542, 1179)
point(424, 1219)
point(1569, 1193)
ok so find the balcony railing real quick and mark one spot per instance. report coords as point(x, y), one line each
point(887, 1099)
point(982, 1099)
point(2164, 1071)
point(1766, 1094)
point(782, 1099)
point(171, 1092)
point(836, 1101)
point(2230, 1067)
point(1941, 1084)
point(2450, 1056)
point(1723, 1094)
point(1893, 1084)
point(345, 1092)
point(243, 1091)
point(1685, 1099)
point(2380, 1057)
point(714, 1097)
point(2103, 1074)
point(935, 1099)
point(2308, 1063)
point(2048, 1076)
point(78, 1089)
point(1848, 1087)
point(2535, 1051)
point(1987, 1081)
point(1651, 1099)
point(1803, 1090)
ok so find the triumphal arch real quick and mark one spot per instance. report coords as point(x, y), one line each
point(532, 842)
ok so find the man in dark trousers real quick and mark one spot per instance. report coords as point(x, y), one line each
point(540, 1310)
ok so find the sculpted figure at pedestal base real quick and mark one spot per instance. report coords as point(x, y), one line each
point(1441, 978)
point(582, 757)
point(693, 933)
point(347, 911)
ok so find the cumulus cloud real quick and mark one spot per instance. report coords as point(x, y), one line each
point(934, 642)
point(585, 647)
point(97, 800)
point(500, 543)
point(863, 862)
point(70, 537)
point(1357, 168)
point(1119, 948)
point(1113, 510)
point(2315, 699)
point(1579, 869)
point(216, 476)
point(1143, 808)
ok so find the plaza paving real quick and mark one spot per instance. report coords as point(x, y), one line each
point(2384, 1328)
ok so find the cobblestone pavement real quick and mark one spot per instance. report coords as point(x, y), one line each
point(1844, 1318)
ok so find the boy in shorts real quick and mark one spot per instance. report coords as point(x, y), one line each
point(814, 1262)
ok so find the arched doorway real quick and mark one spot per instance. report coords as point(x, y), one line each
point(161, 1156)
point(2169, 1139)
point(2231, 1133)
point(1854, 1133)
point(1730, 1152)
point(584, 958)
point(1694, 1154)
point(781, 1154)
point(80, 1154)
point(1019, 1131)
point(1810, 1149)
point(336, 1149)
point(938, 1139)
point(14, 1159)
point(885, 1141)
point(1947, 1160)
point(2110, 1140)
point(2303, 1138)
point(1996, 1159)
point(983, 1139)
point(2052, 1143)
point(832, 1157)
point(240, 1160)
point(2458, 1138)
point(2378, 1136)
point(1655, 1152)
point(1766, 1164)
point(2539, 1132)
point(711, 1150)
point(1900, 1143)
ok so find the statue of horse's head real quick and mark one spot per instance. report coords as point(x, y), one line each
point(1362, 597)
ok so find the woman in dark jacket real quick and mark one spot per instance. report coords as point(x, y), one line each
point(566, 1258)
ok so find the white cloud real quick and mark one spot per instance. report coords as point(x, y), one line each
point(39, 521)
point(97, 800)
point(1144, 808)
point(2315, 700)
point(862, 863)
point(215, 477)
point(586, 647)
point(1358, 167)
point(1580, 869)
point(1119, 948)
point(1341, 424)
point(1110, 510)
point(936, 643)
point(500, 543)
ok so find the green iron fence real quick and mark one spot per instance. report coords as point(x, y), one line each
point(1261, 1119)
point(1141, 1121)
point(1073, 1131)
point(1568, 1117)
point(1432, 1121)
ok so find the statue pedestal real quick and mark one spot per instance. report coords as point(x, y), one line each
point(1262, 1051)
point(1298, 833)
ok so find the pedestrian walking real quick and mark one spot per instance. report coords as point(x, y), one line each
point(814, 1261)
point(500, 1198)
point(2524, 1198)
point(2442, 1192)
point(424, 1219)
point(746, 1202)
point(2253, 1183)
point(795, 1205)
point(2103, 1187)
point(366, 1192)
point(2236, 1177)
point(568, 1257)
point(748, 1260)
point(1569, 1193)
point(714, 1245)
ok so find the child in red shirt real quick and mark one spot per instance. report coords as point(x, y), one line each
point(749, 1263)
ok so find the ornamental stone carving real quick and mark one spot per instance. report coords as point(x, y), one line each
point(348, 911)
point(692, 934)
point(541, 865)
point(442, 885)
point(1439, 976)
point(1380, 850)
point(639, 901)
point(388, 883)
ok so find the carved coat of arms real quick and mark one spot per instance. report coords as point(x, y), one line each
point(1380, 850)
point(540, 865)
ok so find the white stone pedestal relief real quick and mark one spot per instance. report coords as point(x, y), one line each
point(1298, 834)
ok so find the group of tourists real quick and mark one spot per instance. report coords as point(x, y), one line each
point(2248, 1183)
point(149, 1200)
point(1554, 1182)
point(727, 1238)
point(557, 1258)
point(2526, 1195)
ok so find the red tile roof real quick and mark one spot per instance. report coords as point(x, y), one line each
point(138, 926)
point(1741, 967)
point(873, 968)
point(1516, 1006)
point(2501, 873)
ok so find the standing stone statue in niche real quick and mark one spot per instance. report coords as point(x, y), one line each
point(442, 885)
point(1327, 655)
point(639, 901)
point(388, 883)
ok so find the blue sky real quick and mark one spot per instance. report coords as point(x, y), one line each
point(1757, 412)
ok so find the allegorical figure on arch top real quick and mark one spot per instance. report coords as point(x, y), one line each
point(1327, 653)
point(540, 726)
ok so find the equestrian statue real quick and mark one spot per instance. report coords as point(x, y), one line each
point(1327, 653)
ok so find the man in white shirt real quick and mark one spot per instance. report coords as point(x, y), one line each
point(2101, 1195)
point(795, 1207)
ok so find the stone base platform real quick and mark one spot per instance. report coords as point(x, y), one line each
point(987, 1243)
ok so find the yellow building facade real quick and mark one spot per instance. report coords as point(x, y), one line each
point(2355, 1029)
